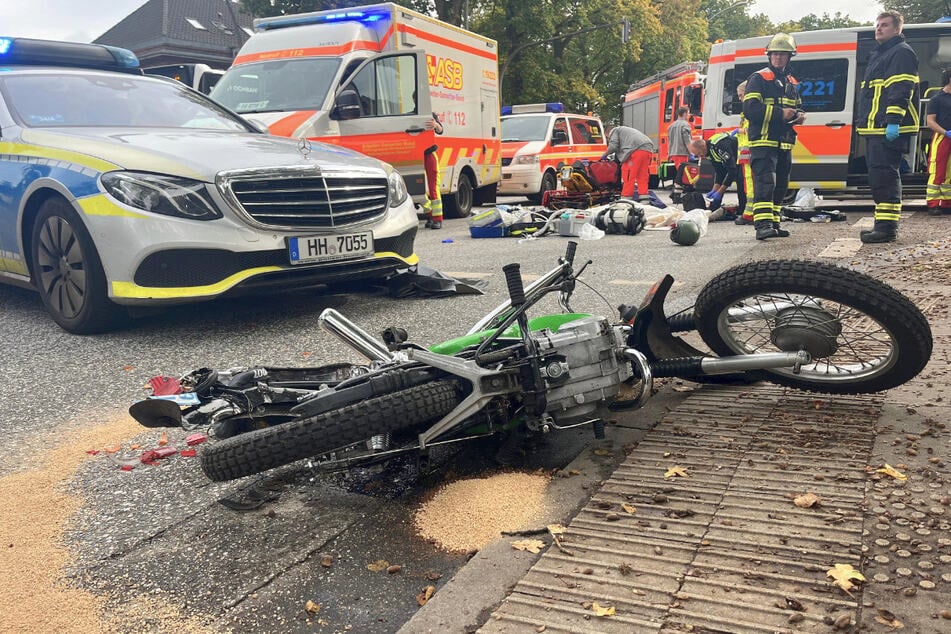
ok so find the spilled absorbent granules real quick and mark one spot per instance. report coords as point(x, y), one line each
point(466, 515)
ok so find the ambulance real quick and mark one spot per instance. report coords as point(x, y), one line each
point(651, 104)
point(829, 156)
point(538, 139)
point(369, 78)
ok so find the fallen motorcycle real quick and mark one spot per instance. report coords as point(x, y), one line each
point(801, 324)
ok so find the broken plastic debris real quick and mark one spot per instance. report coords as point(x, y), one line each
point(152, 455)
point(195, 439)
point(163, 440)
point(188, 453)
point(165, 385)
point(127, 467)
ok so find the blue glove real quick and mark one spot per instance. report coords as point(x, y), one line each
point(734, 132)
point(891, 131)
point(710, 194)
point(947, 133)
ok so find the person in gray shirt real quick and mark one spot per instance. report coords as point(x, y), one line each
point(678, 137)
point(633, 150)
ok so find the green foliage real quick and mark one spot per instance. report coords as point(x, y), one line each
point(920, 11)
point(571, 50)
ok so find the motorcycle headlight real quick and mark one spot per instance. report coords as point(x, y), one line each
point(397, 187)
point(161, 194)
point(527, 159)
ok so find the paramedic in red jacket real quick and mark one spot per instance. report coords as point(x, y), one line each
point(632, 149)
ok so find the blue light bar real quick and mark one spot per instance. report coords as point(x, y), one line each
point(363, 17)
point(528, 108)
point(26, 51)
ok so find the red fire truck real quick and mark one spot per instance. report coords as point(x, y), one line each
point(651, 105)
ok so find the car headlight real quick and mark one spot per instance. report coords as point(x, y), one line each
point(397, 187)
point(161, 194)
point(527, 159)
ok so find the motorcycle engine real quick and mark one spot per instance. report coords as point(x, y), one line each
point(581, 367)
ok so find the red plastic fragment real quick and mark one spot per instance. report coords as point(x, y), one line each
point(195, 439)
point(92, 452)
point(189, 453)
point(152, 455)
point(127, 467)
point(165, 385)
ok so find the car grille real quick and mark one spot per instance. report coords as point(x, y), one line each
point(506, 162)
point(319, 202)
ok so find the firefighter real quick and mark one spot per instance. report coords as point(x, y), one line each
point(433, 204)
point(772, 107)
point(744, 176)
point(938, 193)
point(721, 148)
point(886, 118)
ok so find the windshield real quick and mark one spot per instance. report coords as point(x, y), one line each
point(49, 101)
point(277, 85)
point(525, 128)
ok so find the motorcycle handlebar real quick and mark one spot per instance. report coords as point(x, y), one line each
point(513, 278)
point(570, 251)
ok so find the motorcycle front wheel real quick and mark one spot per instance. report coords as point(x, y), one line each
point(263, 449)
point(863, 335)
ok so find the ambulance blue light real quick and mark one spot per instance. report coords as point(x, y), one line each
point(5, 44)
point(527, 108)
point(363, 17)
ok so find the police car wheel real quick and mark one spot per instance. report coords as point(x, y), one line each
point(68, 273)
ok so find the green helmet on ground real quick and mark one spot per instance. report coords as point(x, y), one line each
point(782, 43)
point(685, 233)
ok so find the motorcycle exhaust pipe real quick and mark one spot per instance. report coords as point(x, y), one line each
point(353, 335)
point(694, 366)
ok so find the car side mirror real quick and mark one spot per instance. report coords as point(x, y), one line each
point(558, 137)
point(347, 105)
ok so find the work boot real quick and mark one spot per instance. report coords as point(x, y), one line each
point(745, 219)
point(780, 233)
point(764, 229)
point(883, 231)
point(435, 224)
point(429, 223)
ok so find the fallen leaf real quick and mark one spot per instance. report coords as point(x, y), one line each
point(573, 472)
point(556, 529)
point(682, 388)
point(425, 595)
point(676, 471)
point(378, 565)
point(639, 593)
point(112, 449)
point(794, 604)
point(326, 561)
point(531, 545)
point(892, 471)
point(600, 611)
point(807, 500)
point(629, 508)
point(887, 618)
point(163, 440)
point(602, 452)
point(432, 575)
point(311, 607)
point(844, 574)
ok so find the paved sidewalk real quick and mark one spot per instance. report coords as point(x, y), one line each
point(725, 549)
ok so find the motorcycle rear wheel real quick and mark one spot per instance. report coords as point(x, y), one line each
point(263, 449)
point(864, 336)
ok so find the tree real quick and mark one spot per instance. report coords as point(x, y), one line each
point(812, 22)
point(919, 11)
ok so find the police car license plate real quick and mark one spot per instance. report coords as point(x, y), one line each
point(304, 250)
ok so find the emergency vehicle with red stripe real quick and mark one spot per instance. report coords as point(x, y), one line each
point(829, 156)
point(368, 78)
point(538, 140)
point(651, 104)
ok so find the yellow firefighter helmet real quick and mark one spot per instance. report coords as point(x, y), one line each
point(782, 43)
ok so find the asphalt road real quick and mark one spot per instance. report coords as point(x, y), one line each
point(252, 570)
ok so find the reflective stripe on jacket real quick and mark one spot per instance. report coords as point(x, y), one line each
point(768, 91)
point(889, 91)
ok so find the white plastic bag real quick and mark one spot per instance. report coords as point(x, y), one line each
point(590, 232)
point(806, 198)
point(699, 216)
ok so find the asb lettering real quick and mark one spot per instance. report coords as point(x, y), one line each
point(444, 72)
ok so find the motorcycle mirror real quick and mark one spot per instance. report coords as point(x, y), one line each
point(157, 412)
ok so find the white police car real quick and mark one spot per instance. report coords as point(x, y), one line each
point(118, 189)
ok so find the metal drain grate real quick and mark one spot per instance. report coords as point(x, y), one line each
point(725, 549)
